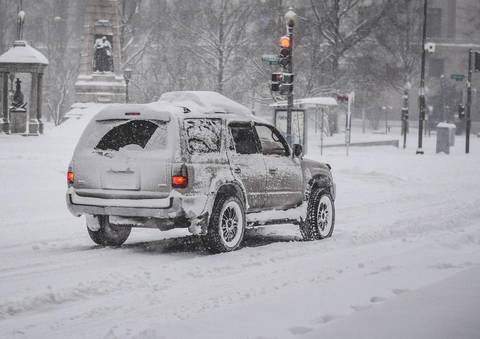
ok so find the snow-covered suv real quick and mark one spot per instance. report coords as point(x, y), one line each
point(196, 160)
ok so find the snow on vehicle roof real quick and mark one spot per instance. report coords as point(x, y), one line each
point(204, 102)
point(143, 111)
point(181, 103)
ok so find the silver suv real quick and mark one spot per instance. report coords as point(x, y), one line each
point(195, 160)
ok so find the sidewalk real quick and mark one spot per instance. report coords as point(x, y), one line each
point(445, 310)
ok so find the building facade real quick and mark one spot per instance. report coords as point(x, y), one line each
point(453, 27)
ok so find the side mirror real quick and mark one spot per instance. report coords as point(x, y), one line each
point(297, 150)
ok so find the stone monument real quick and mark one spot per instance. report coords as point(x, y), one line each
point(101, 78)
point(16, 116)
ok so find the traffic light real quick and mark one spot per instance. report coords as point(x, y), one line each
point(285, 51)
point(476, 56)
point(461, 111)
point(286, 86)
point(276, 79)
point(342, 97)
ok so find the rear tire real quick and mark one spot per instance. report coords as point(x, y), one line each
point(103, 233)
point(320, 216)
point(227, 225)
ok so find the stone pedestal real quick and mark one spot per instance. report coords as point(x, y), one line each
point(18, 120)
point(101, 76)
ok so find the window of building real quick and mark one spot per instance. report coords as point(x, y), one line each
point(436, 67)
point(434, 23)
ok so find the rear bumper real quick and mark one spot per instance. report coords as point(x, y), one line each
point(173, 207)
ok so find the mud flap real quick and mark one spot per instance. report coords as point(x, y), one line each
point(199, 225)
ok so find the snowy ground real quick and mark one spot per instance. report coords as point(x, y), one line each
point(403, 261)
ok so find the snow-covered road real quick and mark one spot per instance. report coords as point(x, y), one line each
point(406, 226)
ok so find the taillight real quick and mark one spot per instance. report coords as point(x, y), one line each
point(70, 177)
point(180, 176)
point(179, 181)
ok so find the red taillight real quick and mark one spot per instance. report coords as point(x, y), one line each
point(179, 181)
point(179, 176)
point(70, 177)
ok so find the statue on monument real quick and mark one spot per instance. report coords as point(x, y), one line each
point(103, 56)
point(18, 96)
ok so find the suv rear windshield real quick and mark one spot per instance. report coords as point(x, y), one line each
point(113, 135)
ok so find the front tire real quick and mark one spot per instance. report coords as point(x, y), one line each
point(227, 225)
point(320, 216)
point(103, 233)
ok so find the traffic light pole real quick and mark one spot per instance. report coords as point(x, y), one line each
point(421, 98)
point(289, 69)
point(469, 103)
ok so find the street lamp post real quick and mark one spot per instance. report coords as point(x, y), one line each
point(290, 18)
point(421, 97)
point(469, 103)
point(127, 74)
point(386, 119)
point(406, 89)
point(442, 85)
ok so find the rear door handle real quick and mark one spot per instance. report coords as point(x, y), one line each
point(237, 170)
point(272, 170)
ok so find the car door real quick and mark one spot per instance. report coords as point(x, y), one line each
point(247, 163)
point(284, 188)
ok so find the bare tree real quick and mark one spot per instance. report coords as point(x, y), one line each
point(218, 30)
point(55, 31)
point(400, 39)
point(8, 18)
point(337, 28)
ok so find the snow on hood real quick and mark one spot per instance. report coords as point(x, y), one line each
point(204, 102)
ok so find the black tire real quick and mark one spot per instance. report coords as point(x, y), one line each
point(105, 234)
point(320, 216)
point(227, 225)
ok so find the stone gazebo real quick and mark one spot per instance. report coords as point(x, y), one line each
point(22, 58)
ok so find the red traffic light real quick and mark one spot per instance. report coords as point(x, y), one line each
point(285, 42)
point(276, 77)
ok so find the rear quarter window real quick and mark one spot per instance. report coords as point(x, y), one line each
point(203, 135)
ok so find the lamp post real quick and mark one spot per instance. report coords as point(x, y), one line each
point(406, 89)
point(290, 18)
point(421, 97)
point(127, 74)
point(442, 85)
point(468, 121)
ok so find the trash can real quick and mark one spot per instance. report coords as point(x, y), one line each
point(445, 137)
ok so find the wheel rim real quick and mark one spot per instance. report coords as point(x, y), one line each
point(325, 216)
point(231, 224)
